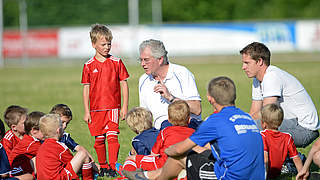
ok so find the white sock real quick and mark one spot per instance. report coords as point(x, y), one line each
point(146, 174)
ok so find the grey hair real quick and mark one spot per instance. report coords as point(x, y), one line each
point(157, 49)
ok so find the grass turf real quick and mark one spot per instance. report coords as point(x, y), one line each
point(40, 87)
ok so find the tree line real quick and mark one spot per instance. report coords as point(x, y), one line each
point(56, 13)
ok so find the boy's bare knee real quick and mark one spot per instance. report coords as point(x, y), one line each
point(316, 158)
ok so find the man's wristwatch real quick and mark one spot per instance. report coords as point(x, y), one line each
point(172, 99)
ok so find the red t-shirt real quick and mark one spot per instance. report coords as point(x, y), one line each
point(104, 80)
point(278, 145)
point(9, 141)
point(53, 161)
point(23, 152)
point(167, 137)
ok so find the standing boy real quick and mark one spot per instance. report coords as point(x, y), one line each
point(14, 116)
point(104, 77)
point(277, 145)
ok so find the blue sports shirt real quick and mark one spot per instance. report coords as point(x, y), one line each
point(144, 142)
point(236, 144)
point(68, 141)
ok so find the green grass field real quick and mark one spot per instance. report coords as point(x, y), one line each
point(39, 87)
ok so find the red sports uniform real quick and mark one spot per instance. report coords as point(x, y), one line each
point(167, 137)
point(105, 93)
point(53, 161)
point(105, 101)
point(278, 145)
point(9, 141)
point(23, 152)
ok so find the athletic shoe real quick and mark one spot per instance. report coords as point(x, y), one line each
point(119, 168)
point(112, 173)
point(134, 175)
point(103, 172)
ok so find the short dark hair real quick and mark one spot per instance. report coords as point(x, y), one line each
point(257, 50)
point(223, 90)
point(2, 130)
point(61, 110)
point(13, 114)
point(32, 121)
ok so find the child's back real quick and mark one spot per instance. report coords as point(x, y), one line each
point(144, 142)
point(278, 145)
point(169, 136)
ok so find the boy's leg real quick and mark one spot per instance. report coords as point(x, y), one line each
point(82, 160)
point(170, 170)
point(100, 147)
point(112, 137)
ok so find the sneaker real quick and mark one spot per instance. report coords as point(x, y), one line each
point(112, 173)
point(134, 175)
point(103, 172)
point(289, 168)
point(119, 168)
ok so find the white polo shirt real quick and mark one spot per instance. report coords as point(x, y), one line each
point(180, 83)
point(293, 98)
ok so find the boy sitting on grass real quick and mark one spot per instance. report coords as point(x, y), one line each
point(5, 170)
point(139, 120)
point(28, 147)
point(179, 116)
point(54, 160)
point(14, 116)
point(277, 144)
point(65, 114)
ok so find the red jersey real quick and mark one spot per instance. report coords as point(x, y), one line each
point(104, 80)
point(167, 137)
point(278, 145)
point(9, 141)
point(53, 161)
point(23, 152)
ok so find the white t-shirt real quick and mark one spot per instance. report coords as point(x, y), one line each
point(180, 83)
point(293, 98)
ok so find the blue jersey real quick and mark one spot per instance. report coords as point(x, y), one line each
point(235, 142)
point(4, 163)
point(68, 141)
point(144, 142)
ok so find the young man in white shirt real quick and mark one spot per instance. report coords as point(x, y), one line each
point(273, 85)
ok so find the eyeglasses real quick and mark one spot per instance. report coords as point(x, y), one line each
point(145, 60)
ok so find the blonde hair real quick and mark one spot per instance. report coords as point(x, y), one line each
point(223, 90)
point(272, 115)
point(49, 124)
point(179, 113)
point(139, 119)
point(100, 31)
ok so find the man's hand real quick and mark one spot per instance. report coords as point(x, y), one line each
point(163, 90)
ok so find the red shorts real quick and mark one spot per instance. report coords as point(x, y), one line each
point(149, 163)
point(104, 121)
